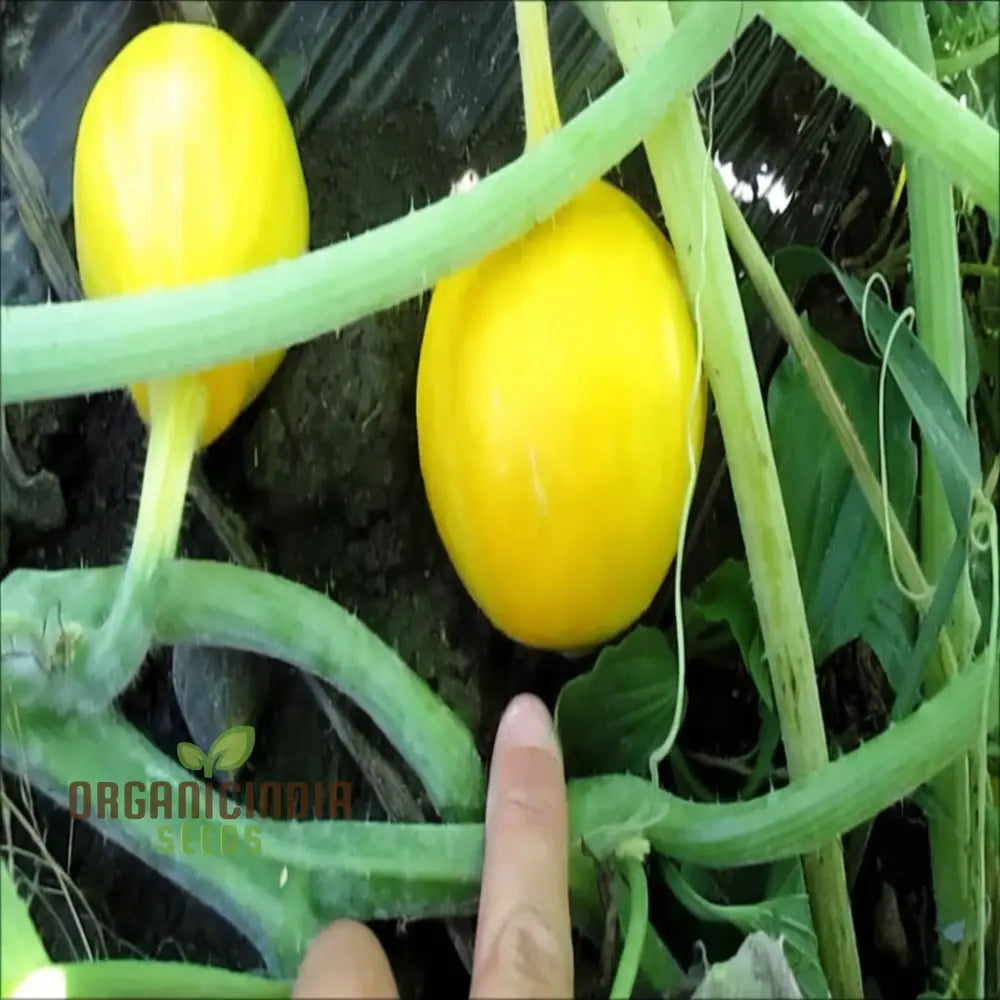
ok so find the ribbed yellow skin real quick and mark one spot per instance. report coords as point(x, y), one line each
point(553, 391)
point(187, 170)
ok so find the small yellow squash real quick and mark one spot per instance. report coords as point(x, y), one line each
point(186, 170)
point(555, 381)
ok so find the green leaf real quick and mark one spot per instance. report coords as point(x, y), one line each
point(839, 547)
point(726, 597)
point(21, 949)
point(944, 593)
point(947, 435)
point(784, 913)
point(942, 424)
point(891, 631)
point(231, 749)
point(770, 737)
point(191, 756)
point(613, 718)
point(657, 966)
point(939, 417)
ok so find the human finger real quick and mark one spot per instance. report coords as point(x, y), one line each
point(346, 960)
point(523, 943)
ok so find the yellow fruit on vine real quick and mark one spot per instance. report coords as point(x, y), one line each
point(187, 170)
point(554, 388)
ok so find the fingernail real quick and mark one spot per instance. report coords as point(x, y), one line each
point(527, 723)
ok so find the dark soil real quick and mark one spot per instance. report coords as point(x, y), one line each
point(322, 475)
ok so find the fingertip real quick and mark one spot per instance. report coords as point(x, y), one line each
point(525, 731)
point(526, 722)
point(346, 959)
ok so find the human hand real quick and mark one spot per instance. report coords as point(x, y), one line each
point(523, 946)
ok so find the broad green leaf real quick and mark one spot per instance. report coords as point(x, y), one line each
point(891, 631)
point(192, 757)
point(944, 430)
point(658, 967)
point(942, 424)
point(21, 949)
point(726, 597)
point(613, 718)
point(231, 749)
point(930, 627)
point(783, 913)
point(839, 546)
point(770, 737)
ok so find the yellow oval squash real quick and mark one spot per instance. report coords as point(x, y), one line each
point(186, 170)
point(553, 392)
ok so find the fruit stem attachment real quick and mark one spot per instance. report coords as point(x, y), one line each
point(177, 408)
point(541, 109)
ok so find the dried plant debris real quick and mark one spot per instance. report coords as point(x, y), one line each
point(758, 970)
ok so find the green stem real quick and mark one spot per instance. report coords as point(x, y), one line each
point(683, 174)
point(972, 269)
point(800, 817)
point(122, 979)
point(220, 604)
point(660, 974)
point(119, 646)
point(21, 949)
point(781, 310)
point(541, 109)
point(359, 868)
point(75, 670)
point(635, 932)
point(895, 93)
point(79, 347)
point(968, 59)
point(785, 318)
point(177, 410)
point(939, 321)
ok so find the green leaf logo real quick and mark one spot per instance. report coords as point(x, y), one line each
point(191, 756)
point(231, 749)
